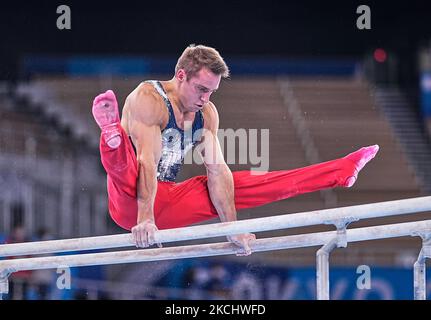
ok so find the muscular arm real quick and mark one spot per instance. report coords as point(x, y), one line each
point(147, 172)
point(144, 118)
point(220, 179)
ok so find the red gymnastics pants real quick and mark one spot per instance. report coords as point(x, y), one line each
point(188, 202)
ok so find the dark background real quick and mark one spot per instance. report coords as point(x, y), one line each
point(236, 28)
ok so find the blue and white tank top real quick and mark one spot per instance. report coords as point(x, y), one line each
point(175, 141)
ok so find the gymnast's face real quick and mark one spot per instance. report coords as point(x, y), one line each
point(195, 91)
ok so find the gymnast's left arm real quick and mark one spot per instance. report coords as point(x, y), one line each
point(220, 179)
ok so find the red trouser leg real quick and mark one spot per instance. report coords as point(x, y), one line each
point(190, 202)
point(122, 169)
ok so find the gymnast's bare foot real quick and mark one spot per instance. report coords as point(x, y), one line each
point(360, 158)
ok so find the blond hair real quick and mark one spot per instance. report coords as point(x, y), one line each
point(196, 57)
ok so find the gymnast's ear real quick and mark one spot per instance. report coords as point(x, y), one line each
point(181, 75)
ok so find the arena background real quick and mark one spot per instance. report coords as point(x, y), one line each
point(303, 70)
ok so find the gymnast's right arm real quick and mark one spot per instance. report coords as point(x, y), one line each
point(144, 121)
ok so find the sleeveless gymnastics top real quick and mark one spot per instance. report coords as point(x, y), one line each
point(175, 141)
